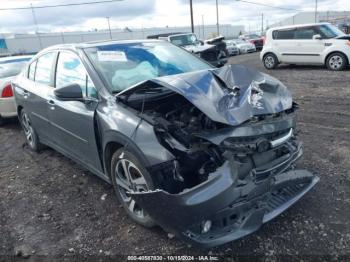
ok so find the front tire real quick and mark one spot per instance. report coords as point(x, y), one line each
point(29, 132)
point(128, 175)
point(336, 62)
point(270, 61)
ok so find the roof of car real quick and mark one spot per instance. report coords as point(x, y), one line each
point(166, 35)
point(18, 58)
point(299, 25)
point(75, 46)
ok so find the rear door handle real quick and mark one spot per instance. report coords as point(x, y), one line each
point(25, 94)
point(51, 104)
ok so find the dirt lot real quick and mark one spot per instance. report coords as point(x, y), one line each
point(51, 206)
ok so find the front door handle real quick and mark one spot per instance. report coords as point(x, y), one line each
point(51, 104)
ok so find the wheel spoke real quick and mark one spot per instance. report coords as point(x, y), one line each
point(122, 184)
point(29, 136)
point(132, 205)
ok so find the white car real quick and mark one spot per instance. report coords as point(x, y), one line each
point(244, 46)
point(10, 67)
point(319, 44)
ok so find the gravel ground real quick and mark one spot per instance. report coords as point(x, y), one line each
point(49, 206)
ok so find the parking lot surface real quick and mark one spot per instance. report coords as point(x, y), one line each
point(51, 206)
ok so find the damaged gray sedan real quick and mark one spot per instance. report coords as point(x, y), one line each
point(208, 154)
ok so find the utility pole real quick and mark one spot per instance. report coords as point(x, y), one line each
point(203, 27)
point(316, 6)
point(109, 27)
point(262, 23)
point(217, 18)
point(191, 10)
point(36, 26)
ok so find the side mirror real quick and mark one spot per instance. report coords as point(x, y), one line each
point(317, 37)
point(70, 92)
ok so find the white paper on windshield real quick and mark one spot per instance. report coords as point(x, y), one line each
point(111, 56)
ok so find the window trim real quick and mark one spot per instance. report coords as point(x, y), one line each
point(86, 71)
point(28, 71)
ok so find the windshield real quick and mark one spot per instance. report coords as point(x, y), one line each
point(330, 31)
point(11, 68)
point(183, 40)
point(124, 65)
point(253, 36)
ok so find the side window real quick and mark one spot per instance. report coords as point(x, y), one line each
point(305, 33)
point(70, 70)
point(287, 34)
point(44, 69)
point(31, 70)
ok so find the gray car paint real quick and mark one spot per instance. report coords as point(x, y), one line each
point(82, 130)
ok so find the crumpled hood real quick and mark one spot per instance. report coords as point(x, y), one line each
point(231, 95)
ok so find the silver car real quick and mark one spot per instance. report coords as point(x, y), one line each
point(244, 46)
point(9, 68)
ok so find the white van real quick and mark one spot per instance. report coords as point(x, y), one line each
point(320, 44)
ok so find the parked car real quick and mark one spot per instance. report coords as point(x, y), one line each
point(214, 51)
point(232, 48)
point(206, 153)
point(9, 68)
point(319, 44)
point(255, 39)
point(244, 46)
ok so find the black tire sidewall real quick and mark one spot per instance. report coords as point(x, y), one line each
point(147, 221)
point(345, 61)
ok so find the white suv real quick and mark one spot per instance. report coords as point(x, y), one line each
point(321, 43)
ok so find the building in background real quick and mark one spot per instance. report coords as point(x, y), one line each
point(335, 17)
point(31, 43)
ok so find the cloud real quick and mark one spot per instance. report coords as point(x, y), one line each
point(150, 13)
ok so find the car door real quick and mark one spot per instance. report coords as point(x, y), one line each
point(33, 91)
point(73, 127)
point(284, 44)
point(308, 49)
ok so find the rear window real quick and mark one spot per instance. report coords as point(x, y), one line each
point(284, 34)
point(43, 72)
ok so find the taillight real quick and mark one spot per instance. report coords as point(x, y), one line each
point(7, 91)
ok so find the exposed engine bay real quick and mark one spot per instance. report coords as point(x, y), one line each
point(179, 125)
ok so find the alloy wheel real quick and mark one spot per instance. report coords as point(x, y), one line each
point(130, 179)
point(28, 129)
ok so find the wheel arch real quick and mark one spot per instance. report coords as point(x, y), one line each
point(335, 52)
point(272, 53)
point(113, 141)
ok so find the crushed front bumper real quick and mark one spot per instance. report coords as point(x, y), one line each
point(235, 208)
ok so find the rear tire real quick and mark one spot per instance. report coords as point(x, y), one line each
point(29, 132)
point(128, 175)
point(336, 62)
point(270, 61)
